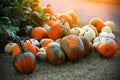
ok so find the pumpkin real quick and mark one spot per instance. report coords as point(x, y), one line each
point(35, 42)
point(54, 53)
point(107, 35)
point(9, 46)
point(76, 31)
point(48, 10)
point(46, 27)
point(73, 14)
point(97, 22)
point(111, 24)
point(86, 44)
point(107, 47)
point(106, 29)
point(73, 47)
point(24, 62)
point(58, 40)
point(28, 45)
point(50, 20)
point(94, 28)
point(91, 46)
point(88, 32)
point(44, 42)
point(67, 17)
point(59, 30)
point(41, 55)
point(38, 33)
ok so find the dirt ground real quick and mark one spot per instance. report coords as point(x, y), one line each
point(91, 67)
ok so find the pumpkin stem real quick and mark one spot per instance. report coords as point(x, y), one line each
point(63, 21)
point(20, 44)
point(64, 31)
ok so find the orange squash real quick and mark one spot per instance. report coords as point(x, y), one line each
point(54, 53)
point(50, 20)
point(59, 30)
point(73, 14)
point(24, 62)
point(86, 44)
point(38, 33)
point(48, 10)
point(44, 42)
point(66, 17)
point(73, 47)
point(97, 22)
point(107, 47)
point(28, 45)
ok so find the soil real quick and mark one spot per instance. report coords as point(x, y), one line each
point(91, 67)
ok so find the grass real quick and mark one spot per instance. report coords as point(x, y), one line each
point(91, 67)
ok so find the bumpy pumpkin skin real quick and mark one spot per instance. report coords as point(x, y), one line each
point(48, 10)
point(38, 33)
point(59, 30)
point(24, 63)
point(54, 54)
point(73, 47)
point(44, 42)
point(97, 22)
point(86, 45)
point(28, 45)
point(107, 47)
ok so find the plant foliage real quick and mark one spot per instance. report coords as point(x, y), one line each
point(19, 17)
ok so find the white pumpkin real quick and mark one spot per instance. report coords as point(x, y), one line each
point(76, 31)
point(8, 47)
point(107, 35)
point(106, 29)
point(111, 24)
point(88, 32)
point(41, 55)
point(35, 42)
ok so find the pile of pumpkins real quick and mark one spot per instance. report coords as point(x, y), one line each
point(62, 37)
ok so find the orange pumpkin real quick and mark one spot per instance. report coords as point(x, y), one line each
point(86, 44)
point(38, 33)
point(73, 14)
point(59, 30)
point(28, 45)
point(24, 62)
point(50, 20)
point(91, 46)
point(54, 53)
point(66, 17)
point(48, 10)
point(44, 42)
point(73, 47)
point(97, 22)
point(107, 47)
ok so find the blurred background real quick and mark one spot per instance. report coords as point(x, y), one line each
point(106, 1)
point(87, 9)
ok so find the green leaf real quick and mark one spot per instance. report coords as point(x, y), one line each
point(13, 29)
point(10, 33)
point(5, 21)
point(28, 29)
